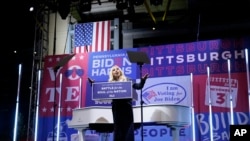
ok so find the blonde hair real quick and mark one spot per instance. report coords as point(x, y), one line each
point(122, 76)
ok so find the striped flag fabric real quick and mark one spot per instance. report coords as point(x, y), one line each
point(92, 37)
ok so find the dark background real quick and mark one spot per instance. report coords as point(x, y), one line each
point(18, 26)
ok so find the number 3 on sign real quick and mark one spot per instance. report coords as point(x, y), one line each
point(221, 93)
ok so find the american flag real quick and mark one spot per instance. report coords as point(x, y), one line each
point(149, 94)
point(92, 37)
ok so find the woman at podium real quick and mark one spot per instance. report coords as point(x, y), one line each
point(122, 108)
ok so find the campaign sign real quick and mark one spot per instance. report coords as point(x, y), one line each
point(112, 90)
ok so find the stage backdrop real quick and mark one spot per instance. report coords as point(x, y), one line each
point(202, 75)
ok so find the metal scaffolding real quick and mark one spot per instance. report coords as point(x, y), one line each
point(40, 50)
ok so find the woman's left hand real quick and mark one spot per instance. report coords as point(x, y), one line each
point(145, 76)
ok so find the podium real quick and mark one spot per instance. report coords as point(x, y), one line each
point(113, 90)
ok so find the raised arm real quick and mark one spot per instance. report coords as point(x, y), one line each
point(140, 85)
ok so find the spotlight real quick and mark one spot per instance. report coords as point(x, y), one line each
point(156, 2)
point(131, 9)
point(31, 9)
point(138, 2)
point(64, 8)
point(121, 4)
point(85, 5)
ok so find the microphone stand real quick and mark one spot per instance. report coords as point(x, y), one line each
point(139, 58)
point(55, 71)
point(141, 102)
point(54, 116)
point(60, 64)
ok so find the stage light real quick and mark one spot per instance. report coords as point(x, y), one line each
point(156, 2)
point(121, 4)
point(64, 8)
point(131, 9)
point(138, 2)
point(85, 5)
point(31, 9)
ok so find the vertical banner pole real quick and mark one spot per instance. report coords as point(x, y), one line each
point(192, 105)
point(210, 106)
point(248, 78)
point(17, 102)
point(37, 104)
point(230, 92)
point(80, 97)
point(59, 110)
point(79, 106)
